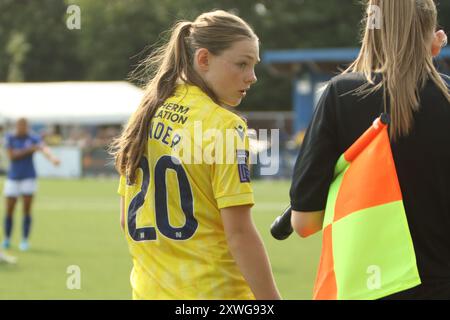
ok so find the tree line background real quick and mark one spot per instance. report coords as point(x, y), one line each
point(36, 45)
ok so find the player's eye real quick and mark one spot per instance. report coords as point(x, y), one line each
point(243, 65)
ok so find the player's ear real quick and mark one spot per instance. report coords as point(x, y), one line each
point(439, 41)
point(202, 57)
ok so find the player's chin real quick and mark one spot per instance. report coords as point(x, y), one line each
point(234, 102)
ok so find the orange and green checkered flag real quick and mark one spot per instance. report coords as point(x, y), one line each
point(367, 250)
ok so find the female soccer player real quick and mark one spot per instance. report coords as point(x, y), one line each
point(394, 70)
point(21, 180)
point(186, 211)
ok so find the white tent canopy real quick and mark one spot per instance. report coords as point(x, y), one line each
point(83, 103)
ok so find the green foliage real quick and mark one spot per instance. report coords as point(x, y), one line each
point(52, 54)
point(116, 34)
point(17, 48)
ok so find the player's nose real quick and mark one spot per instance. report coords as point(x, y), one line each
point(251, 78)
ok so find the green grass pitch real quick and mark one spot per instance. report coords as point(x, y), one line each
point(76, 222)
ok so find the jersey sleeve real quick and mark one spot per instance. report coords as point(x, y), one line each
point(36, 139)
point(122, 186)
point(314, 167)
point(230, 171)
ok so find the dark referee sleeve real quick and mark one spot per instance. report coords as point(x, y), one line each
point(314, 168)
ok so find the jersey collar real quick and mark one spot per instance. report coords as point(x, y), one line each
point(184, 88)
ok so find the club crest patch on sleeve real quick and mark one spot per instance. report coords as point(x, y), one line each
point(242, 161)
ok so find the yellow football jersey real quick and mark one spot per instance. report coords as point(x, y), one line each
point(172, 212)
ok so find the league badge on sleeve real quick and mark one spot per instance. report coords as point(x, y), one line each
point(242, 161)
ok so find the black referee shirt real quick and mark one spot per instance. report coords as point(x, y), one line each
point(422, 161)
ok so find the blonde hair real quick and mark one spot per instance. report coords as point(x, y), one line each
point(400, 49)
point(216, 31)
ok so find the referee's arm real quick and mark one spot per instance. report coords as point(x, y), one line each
point(314, 167)
point(307, 223)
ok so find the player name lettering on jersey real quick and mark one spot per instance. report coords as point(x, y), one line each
point(160, 131)
point(174, 112)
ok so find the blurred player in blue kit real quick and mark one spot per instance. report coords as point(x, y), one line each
point(21, 178)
